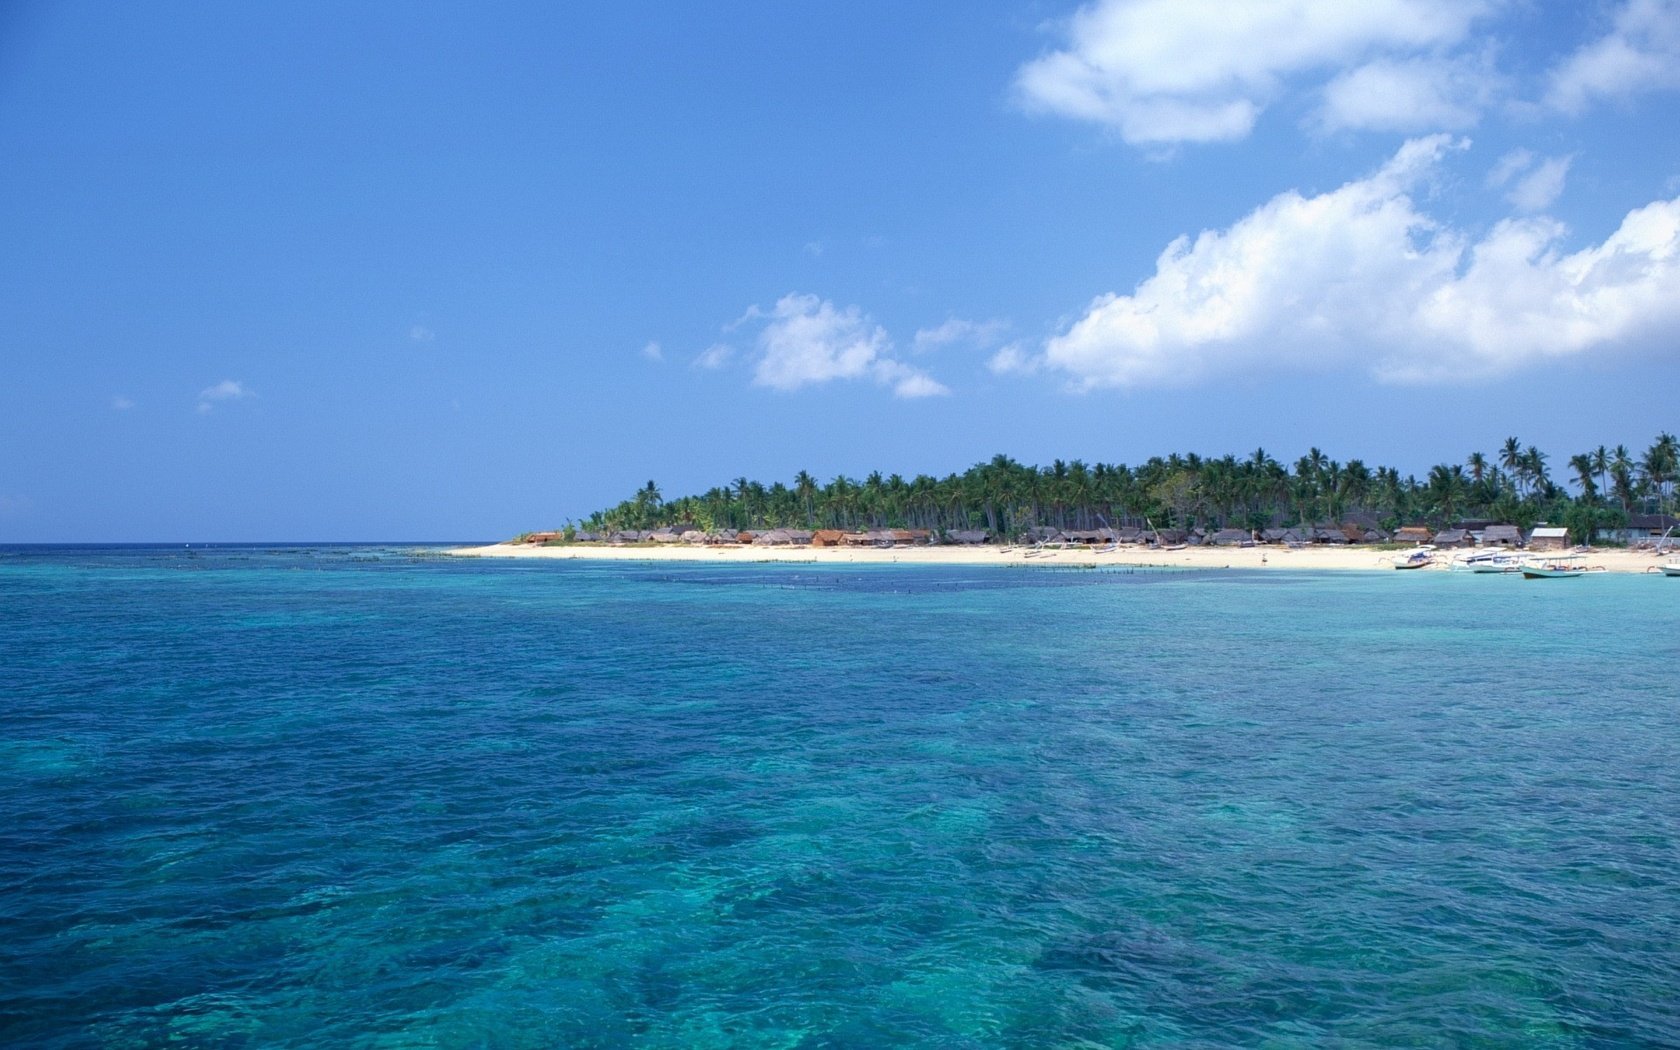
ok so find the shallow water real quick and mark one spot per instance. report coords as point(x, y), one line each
point(354, 797)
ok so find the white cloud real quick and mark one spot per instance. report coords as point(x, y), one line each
point(956, 330)
point(226, 390)
point(806, 340)
point(1012, 360)
point(814, 249)
point(1641, 52)
point(1359, 278)
point(653, 352)
point(1509, 166)
point(715, 356)
point(421, 334)
point(1168, 71)
point(908, 382)
point(119, 403)
point(1540, 187)
point(1425, 93)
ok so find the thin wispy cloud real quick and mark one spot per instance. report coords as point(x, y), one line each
point(1012, 359)
point(119, 403)
point(221, 393)
point(956, 331)
point(714, 357)
point(1639, 53)
point(1361, 279)
point(653, 352)
point(15, 506)
point(421, 334)
point(1419, 93)
point(1535, 183)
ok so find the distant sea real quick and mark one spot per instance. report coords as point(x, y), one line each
point(374, 797)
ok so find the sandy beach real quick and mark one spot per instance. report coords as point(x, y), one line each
point(1339, 559)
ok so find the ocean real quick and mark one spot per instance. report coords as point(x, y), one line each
point(374, 797)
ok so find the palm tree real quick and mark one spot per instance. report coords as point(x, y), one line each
point(1511, 458)
point(1601, 466)
point(1582, 465)
point(1478, 466)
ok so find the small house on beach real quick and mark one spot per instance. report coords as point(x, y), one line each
point(1502, 536)
point(1643, 529)
point(1454, 538)
point(1415, 534)
point(1548, 538)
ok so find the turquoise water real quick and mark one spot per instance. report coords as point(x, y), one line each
point(352, 797)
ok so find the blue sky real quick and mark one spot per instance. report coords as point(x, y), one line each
point(326, 271)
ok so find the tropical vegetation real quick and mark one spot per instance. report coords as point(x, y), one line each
point(1516, 485)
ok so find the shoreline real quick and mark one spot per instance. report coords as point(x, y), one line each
point(1259, 558)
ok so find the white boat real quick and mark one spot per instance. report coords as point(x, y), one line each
point(1670, 569)
point(1496, 561)
point(1560, 567)
point(1416, 559)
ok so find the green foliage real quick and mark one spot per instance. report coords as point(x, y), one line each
point(1255, 491)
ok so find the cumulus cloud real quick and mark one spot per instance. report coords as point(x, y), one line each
point(805, 340)
point(956, 331)
point(226, 390)
point(1171, 71)
point(653, 352)
point(1360, 278)
point(1641, 52)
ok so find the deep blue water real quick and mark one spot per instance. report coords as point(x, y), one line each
point(355, 797)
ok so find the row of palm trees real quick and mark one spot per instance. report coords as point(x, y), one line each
point(1256, 491)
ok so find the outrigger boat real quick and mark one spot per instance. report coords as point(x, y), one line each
point(1416, 559)
point(1496, 561)
point(1557, 568)
point(1670, 569)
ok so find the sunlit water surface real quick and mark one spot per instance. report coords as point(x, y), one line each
point(359, 797)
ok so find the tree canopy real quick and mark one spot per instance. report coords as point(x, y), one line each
point(1255, 491)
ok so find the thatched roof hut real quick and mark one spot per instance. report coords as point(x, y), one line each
point(827, 538)
point(773, 538)
point(1413, 534)
point(1453, 538)
point(1232, 538)
point(1502, 536)
point(968, 537)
